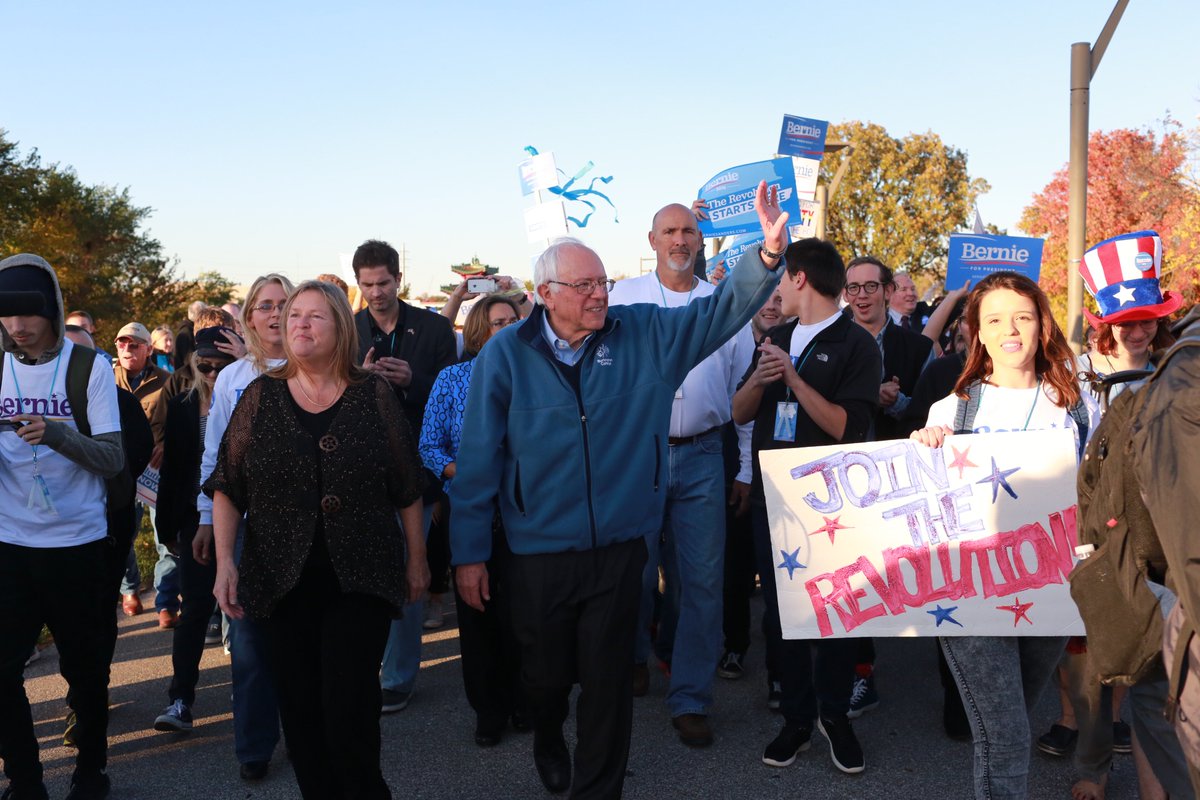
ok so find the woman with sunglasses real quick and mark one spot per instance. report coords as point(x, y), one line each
point(179, 483)
point(490, 659)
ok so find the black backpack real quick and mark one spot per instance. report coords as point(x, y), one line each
point(120, 487)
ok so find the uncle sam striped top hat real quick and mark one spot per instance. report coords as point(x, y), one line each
point(1122, 274)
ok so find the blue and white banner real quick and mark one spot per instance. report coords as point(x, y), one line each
point(731, 255)
point(730, 196)
point(803, 137)
point(974, 256)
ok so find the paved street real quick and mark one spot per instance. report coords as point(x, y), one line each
point(429, 752)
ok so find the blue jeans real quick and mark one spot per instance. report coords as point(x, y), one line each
point(1000, 679)
point(1156, 737)
point(166, 570)
point(255, 709)
point(402, 656)
point(693, 560)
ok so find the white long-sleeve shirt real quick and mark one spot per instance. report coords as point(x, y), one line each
point(231, 382)
point(705, 398)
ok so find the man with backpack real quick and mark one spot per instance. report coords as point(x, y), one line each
point(52, 530)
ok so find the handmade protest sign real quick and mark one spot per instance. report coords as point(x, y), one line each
point(974, 256)
point(895, 538)
point(730, 196)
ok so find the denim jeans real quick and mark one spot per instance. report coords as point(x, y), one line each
point(166, 570)
point(1000, 679)
point(1156, 737)
point(255, 708)
point(402, 656)
point(692, 555)
point(815, 676)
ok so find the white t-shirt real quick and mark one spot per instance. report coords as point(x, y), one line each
point(1003, 409)
point(77, 496)
point(231, 382)
point(803, 335)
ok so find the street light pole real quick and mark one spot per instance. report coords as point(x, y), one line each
point(1085, 60)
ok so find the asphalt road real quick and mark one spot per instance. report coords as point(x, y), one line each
point(429, 753)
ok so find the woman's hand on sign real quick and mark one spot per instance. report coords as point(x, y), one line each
point(933, 436)
point(700, 208)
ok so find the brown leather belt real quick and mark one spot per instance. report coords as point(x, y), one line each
point(678, 440)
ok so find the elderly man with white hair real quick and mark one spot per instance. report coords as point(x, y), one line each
point(566, 434)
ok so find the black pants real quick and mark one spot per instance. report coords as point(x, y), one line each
point(815, 676)
point(187, 643)
point(437, 549)
point(64, 588)
point(575, 615)
point(325, 648)
point(491, 657)
point(739, 580)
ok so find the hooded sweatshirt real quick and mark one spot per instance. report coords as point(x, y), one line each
point(66, 507)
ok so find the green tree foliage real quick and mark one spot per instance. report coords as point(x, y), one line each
point(1137, 180)
point(899, 199)
point(93, 237)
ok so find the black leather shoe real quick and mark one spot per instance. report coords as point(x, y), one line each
point(488, 732)
point(254, 770)
point(553, 761)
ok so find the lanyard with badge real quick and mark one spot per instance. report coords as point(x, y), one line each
point(663, 294)
point(787, 409)
point(39, 493)
point(1036, 395)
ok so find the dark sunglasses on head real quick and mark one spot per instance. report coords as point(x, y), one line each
point(204, 368)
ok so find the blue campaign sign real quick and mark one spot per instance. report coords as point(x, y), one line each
point(730, 196)
point(803, 137)
point(974, 256)
point(731, 255)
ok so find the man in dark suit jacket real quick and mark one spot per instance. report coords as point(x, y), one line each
point(408, 347)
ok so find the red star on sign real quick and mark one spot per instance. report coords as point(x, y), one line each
point(831, 527)
point(961, 461)
point(1019, 610)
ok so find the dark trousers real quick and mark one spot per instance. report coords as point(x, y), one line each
point(575, 616)
point(437, 549)
point(187, 643)
point(739, 580)
point(122, 529)
point(491, 657)
point(325, 648)
point(815, 676)
point(64, 588)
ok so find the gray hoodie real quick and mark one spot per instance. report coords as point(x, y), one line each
point(102, 454)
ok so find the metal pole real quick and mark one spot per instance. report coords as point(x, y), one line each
point(1077, 173)
point(822, 199)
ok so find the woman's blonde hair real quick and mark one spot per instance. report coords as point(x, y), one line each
point(199, 385)
point(344, 363)
point(254, 346)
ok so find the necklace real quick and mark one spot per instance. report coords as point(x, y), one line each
point(695, 283)
point(318, 404)
point(1036, 395)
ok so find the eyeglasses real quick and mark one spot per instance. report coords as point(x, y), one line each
point(503, 323)
point(587, 287)
point(870, 287)
point(204, 368)
point(267, 308)
point(129, 344)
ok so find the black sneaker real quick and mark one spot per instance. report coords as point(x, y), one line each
point(394, 701)
point(1058, 742)
point(790, 742)
point(1122, 740)
point(176, 717)
point(863, 697)
point(731, 667)
point(212, 634)
point(89, 786)
point(844, 748)
point(28, 793)
point(774, 695)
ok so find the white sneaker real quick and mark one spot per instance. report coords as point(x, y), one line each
point(434, 615)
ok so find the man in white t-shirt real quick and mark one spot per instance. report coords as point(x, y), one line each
point(52, 527)
point(691, 546)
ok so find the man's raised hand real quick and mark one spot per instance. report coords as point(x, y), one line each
point(773, 220)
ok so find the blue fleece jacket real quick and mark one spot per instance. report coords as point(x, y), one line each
point(575, 465)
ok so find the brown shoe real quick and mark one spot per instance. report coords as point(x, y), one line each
point(694, 730)
point(641, 680)
point(168, 619)
point(131, 604)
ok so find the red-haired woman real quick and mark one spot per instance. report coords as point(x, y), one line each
point(1019, 375)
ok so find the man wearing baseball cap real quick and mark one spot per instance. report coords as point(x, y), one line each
point(137, 374)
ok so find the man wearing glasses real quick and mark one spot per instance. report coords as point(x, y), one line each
point(566, 433)
point(136, 374)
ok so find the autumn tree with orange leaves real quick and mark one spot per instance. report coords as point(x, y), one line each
point(1137, 180)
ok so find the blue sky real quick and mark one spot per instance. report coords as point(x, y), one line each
point(274, 136)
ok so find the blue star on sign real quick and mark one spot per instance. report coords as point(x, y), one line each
point(791, 562)
point(943, 615)
point(998, 478)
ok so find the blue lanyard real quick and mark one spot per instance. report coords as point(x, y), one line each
point(1036, 395)
point(20, 401)
point(695, 283)
point(799, 366)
